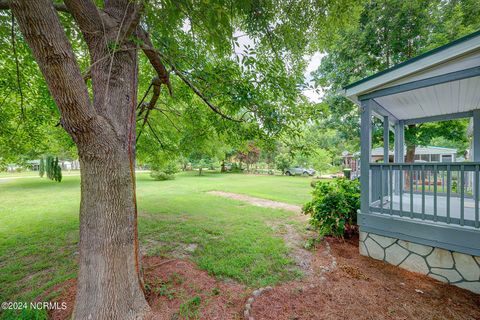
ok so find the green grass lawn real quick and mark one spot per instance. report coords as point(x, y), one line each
point(39, 228)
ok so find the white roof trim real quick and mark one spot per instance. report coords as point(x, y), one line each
point(418, 66)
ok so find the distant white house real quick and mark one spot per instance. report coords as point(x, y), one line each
point(422, 154)
point(70, 165)
point(427, 154)
point(34, 165)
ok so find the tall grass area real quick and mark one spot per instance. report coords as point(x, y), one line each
point(39, 228)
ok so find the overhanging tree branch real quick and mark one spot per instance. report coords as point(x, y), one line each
point(156, 84)
point(168, 118)
point(5, 5)
point(155, 135)
point(17, 66)
point(201, 96)
point(129, 26)
point(154, 57)
point(87, 16)
point(43, 32)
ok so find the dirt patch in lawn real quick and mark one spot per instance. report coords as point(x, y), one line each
point(363, 288)
point(258, 201)
point(295, 241)
point(176, 289)
point(177, 250)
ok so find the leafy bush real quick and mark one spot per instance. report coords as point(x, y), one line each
point(164, 170)
point(171, 168)
point(235, 168)
point(161, 176)
point(314, 182)
point(334, 206)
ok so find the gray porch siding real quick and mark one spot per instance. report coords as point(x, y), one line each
point(439, 234)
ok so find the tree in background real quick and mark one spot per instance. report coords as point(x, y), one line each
point(283, 162)
point(314, 146)
point(320, 160)
point(229, 153)
point(387, 33)
point(41, 168)
point(57, 171)
point(200, 161)
point(53, 169)
point(48, 167)
point(249, 156)
point(453, 132)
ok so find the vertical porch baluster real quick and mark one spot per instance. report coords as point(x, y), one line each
point(390, 182)
point(449, 178)
point(476, 185)
point(381, 188)
point(435, 192)
point(462, 195)
point(411, 191)
point(401, 190)
point(423, 191)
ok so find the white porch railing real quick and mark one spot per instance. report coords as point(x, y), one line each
point(437, 192)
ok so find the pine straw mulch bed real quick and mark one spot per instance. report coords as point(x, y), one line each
point(357, 288)
point(364, 288)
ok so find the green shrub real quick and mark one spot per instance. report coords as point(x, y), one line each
point(314, 182)
point(235, 168)
point(161, 176)
point(164, 171)
point(171, 168)
point(334, 206)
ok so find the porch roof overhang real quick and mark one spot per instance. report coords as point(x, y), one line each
point(438, 85)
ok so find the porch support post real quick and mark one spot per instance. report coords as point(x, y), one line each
point(398, 155)
point(476, 136)
point(386, 138)
point(365, 153)
point(399, 141)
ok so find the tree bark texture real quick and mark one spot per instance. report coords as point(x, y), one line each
point(109, 284)
point(410, 156)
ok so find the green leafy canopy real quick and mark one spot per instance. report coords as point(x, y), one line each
point(245, 57)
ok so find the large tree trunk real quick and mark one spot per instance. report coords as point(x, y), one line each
point(410, 156)
point(109, 282)
point(110, 286)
